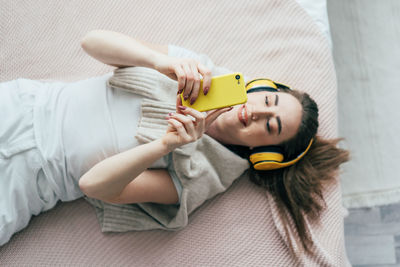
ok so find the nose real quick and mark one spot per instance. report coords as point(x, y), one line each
point(257, 112)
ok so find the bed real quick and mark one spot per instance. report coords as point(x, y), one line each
point(40, 40)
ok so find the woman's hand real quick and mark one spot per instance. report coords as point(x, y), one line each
point(187, 72)
point(183, 130)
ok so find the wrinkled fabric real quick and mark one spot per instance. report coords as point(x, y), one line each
point(24, 190)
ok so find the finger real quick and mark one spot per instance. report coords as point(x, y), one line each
point(170, 128)
point(178, 104)
point(189, 82)
point(213, 115)
point(187, 122)
point(180, 74)
point(213, 112)
point(173, 76)
point(196, 84)
point(180, 129)
point(206, 73)
point(200, 117)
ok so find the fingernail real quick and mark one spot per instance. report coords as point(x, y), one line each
point(170, 114)
point(192, 101)
point(230, 108)
point(182, 107)
point(186, 97)
point(206, 90)
point(167, 117)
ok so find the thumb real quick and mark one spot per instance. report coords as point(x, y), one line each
point(214, 114)
point(178, 103)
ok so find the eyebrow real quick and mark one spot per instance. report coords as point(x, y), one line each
point(278, 119)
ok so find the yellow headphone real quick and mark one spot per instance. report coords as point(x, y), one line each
point(266, 158)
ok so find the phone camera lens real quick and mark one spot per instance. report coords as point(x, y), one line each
point(237, 77)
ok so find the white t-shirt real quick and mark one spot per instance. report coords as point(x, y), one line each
point(80, 124)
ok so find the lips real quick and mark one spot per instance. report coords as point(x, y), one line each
point(242, 114)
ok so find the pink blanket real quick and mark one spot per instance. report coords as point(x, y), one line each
point(273, 38)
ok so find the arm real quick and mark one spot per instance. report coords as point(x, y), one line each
point(150, 186)
point(108, 178)
point(115, 178)
point(119, 50)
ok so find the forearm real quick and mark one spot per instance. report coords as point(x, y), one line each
point(109, 177)
point(119, 50)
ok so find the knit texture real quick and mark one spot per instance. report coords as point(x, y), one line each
point(200, 165)
point(272, 38)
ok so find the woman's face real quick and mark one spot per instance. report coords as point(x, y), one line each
point(268, 118)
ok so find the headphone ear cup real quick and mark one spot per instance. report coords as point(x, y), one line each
point(263, 158)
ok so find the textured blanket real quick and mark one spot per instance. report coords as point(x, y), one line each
point(274, 38)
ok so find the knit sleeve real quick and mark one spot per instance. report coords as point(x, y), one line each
point(174, 177)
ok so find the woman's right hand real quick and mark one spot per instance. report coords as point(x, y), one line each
point(183, 130)
point(187, 72)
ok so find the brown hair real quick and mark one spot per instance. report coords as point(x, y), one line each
point(298, 189)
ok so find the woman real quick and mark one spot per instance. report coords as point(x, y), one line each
point(68, 138)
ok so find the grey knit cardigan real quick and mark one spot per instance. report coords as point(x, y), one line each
point(205, 168)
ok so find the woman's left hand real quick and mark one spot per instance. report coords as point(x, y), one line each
point(187, 72)
point(182, 129)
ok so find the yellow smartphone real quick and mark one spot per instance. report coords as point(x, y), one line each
point(225, 91)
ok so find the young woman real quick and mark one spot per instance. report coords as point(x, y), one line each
point(61, 141)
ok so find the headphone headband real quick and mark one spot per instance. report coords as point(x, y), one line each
point(270, 157)
point(265, 161)
point(261, 88)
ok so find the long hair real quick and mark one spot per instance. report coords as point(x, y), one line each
point(298, 189)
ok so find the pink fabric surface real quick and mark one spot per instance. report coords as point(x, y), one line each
point(273, 38)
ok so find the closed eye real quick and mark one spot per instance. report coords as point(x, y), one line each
point(268, 126)
point(278, 119)
point(279, 124)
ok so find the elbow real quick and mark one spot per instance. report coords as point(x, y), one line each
point(90, 188)
point(90, 38)
point(84, 186)
point(87, 39)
